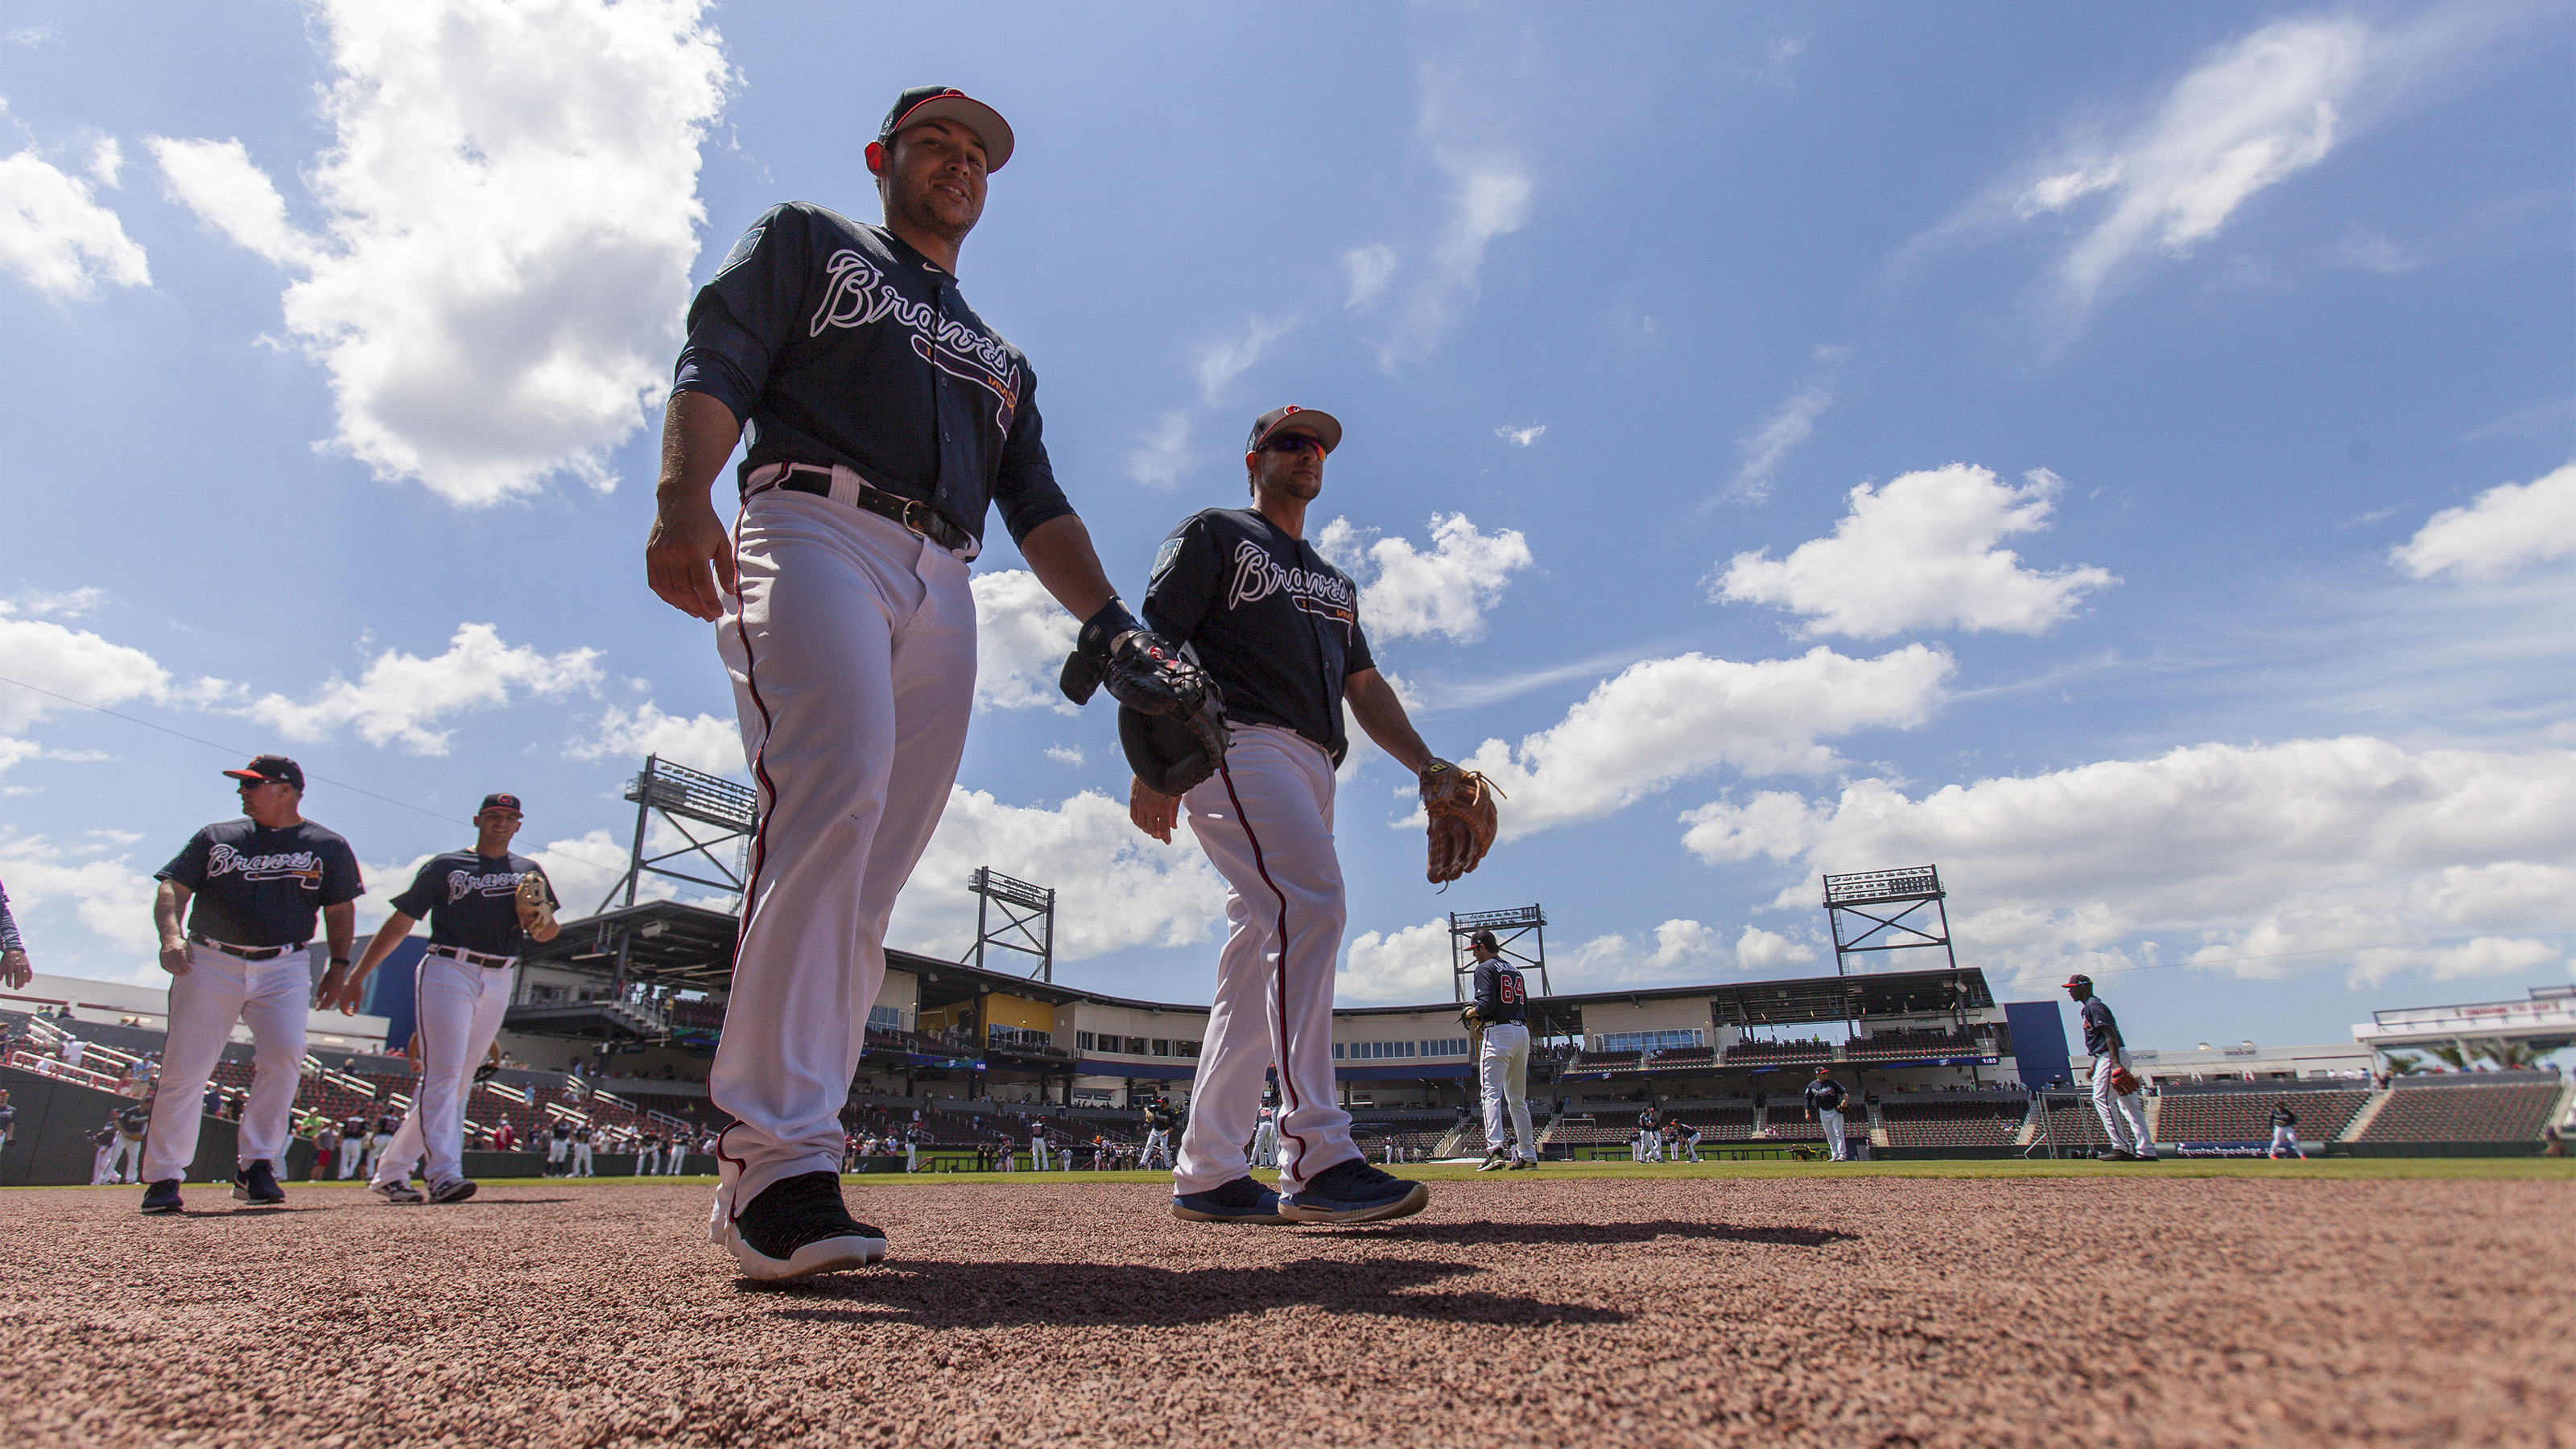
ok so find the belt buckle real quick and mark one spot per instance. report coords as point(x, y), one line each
point(923, 527)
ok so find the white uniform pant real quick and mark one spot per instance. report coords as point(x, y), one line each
point(1158, 1149)
point(648, 1162)
point(126, 1165)
point(1266, 823)
point(351, 1150)
point(581, 1159)
point(1265, 1144)
point(1037, 1154)
point(1690, 1147)
point(459, 1009)
point(272, 997)
point(1502, 1068)
point(1832, 1122)
point(558, 1152)
point(2286, 1139)
point(852, 651)
point(102, 1166)
point(2124, 1118)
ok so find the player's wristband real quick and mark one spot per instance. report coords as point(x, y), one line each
point(339, 960)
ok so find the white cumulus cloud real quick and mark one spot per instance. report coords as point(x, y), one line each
point(507, 217)
point(2250, 115)
point(1116, 888)
point(2258, 860)
point(72, 662)
point(1021, 638)
point(1396, 968)
point(700, 742)
point(1921, 553)
point(1678, 950)
point(1521, 437)
point(1490, 197)
point(57, 238)
point(96, 879)
point(2505, 528)
point(400, 697)
point(1405, 591)
point(1761, 950)
point(1666, 720)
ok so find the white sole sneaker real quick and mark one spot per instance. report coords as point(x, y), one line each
point(824, 1255)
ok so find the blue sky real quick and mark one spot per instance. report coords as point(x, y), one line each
point(2120, 454)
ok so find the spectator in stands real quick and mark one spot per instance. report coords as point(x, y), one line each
point(2124, 1117)
point(72, 1050)
point(504, 1137)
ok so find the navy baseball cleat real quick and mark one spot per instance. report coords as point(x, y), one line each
point(1239, 1201)
point(453, 1190)
point(1354, 1192)
point(257, 1183)
point(162, 1196)
point(396, 1192)
point(1495, 1161)
point(797, 1227)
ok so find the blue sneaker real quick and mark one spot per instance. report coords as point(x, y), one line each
point(162, 1197)
point(1354, 1192)
point(1239, 1201)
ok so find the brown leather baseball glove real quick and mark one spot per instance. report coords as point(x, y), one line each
point(536, 905)
point(1461, 805)
point(2123, 1081)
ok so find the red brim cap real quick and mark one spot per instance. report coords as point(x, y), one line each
point(965, 110)
point(1323, 427)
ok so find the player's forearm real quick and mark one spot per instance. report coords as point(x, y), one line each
point(1059, 552)
point(1374, 705)
point(169, 905)
point(698, 434)
point(340, 928)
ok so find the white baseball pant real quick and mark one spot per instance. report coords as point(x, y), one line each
point(581, 1159)
point(2124, 1118)
point(1502, 1066)
point(351, 1149)
point(648, 1162)
point(1265, 1145)
point(127, 1164)
point(557, 1153)
point(1832, 1122)
point(1690, 1145)
point(459, 1009)
point(1158, 1149)
point(272, 998)
point(1265, 820)
point(2286, 1139)
point(852, 651)
point(102, 1170)
point(1037, 1154)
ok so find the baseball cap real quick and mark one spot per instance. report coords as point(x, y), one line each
point(499, 801)
point(271, 767)
point(1324, 428)
point(947, 103)
point(1484, 938)
point(2075, 981)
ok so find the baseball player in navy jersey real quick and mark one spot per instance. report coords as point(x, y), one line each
point(1277, 630)
point(883, 420)
point(2123, 1114)
point(249, 890)
point(1825, 1098)
point(478, 925)
point(2285, 1131)
point(1502, 1055)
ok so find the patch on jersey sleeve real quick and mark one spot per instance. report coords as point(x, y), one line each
point(1163, 557)
point(742, 250)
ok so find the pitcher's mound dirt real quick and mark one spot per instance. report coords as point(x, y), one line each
point(1854, 1312)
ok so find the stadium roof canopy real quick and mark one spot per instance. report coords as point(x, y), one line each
point(663, 943)
point(2546, 1022)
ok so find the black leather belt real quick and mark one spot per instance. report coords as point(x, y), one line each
point(473, 958)
point(248, 953)
point(912, 513)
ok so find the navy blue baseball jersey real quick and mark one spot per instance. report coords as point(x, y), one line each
point(255, 886)
point(2282, 1116)
point(834, 341)
point(471, 901)
point(1825, 1095)
point(1501, 995)
point(2101, 1029)
point(1270, 621)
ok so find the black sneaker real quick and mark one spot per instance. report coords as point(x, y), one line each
point(162, 1196)
point(454, 1190)
point(1239, 1201)
point(2115, 1154)
point(798, 1226)
point(1495, 1161)
point(1354, 1192)
point(257, 1183)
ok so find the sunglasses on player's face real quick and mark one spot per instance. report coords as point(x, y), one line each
point(1291, 443)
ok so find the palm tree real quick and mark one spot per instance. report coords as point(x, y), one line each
point(2510, 1055)
point(2404, 1066)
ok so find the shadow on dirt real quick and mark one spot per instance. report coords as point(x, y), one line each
point(1501, 1234)
point(992, 1295)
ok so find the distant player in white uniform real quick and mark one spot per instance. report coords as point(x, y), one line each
point(1690, 1140)
point(482, 913)
point(1276, 628)
point(1037, 1147)
point(250, 890)
point(582, 1138)
point(1265, 1137)
point(1825, 1098)
point(2285, 1131)
point(1501, 1011)
point(885, 421)
point(1158, 1136)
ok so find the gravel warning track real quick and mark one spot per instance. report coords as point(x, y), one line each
point(1833, 1312)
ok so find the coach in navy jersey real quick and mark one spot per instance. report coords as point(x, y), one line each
point(1278, 630)
point(249, 890)
point(460, 991)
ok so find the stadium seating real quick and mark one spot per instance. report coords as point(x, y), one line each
point(1970, 1120)
point(1717, 1124)
point(1683, 1057)
point(1606, 1061)
point(2189, 1116)
point(1760, 1052)
point(2505, 1113)
point(2073, 1123)
point(1905, 1042)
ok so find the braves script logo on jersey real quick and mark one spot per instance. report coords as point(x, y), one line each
point(463, 883)
point(1257, 576)
point(295, 865)
point(858, 295)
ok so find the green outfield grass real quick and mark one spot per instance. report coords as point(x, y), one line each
point(2342, 1169)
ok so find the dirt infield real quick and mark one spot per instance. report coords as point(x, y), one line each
point(1843, 1311)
